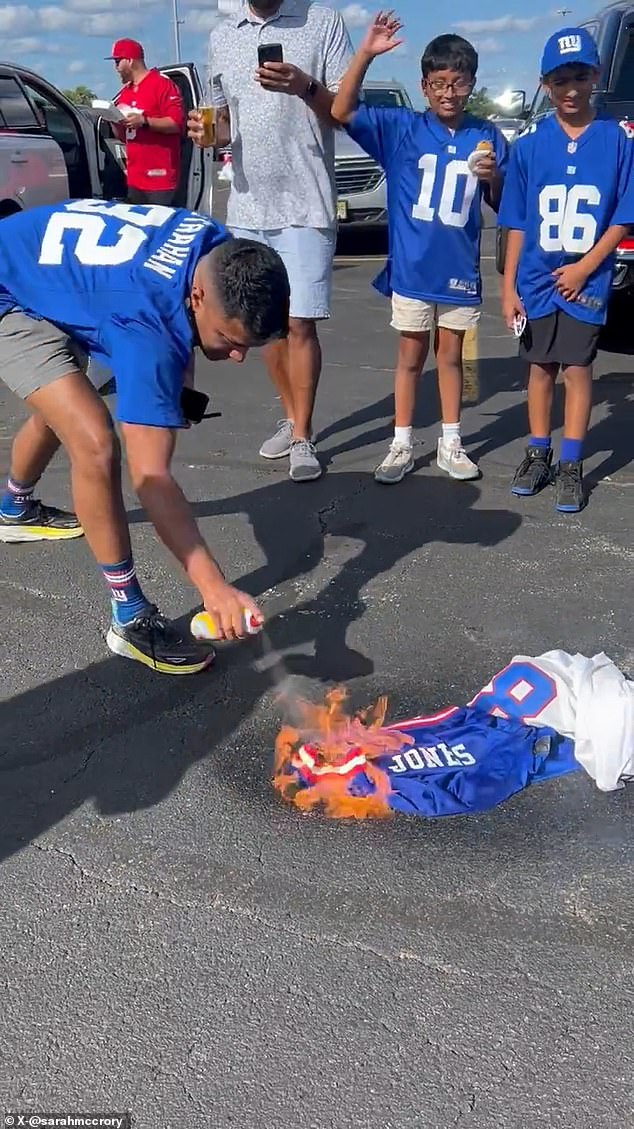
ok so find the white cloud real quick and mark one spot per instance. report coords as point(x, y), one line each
point(199, 19)
point(356, 15)
point(27, 45)
point(487, 46)
point(16, 18)
point(76, 67)
point(501, 23)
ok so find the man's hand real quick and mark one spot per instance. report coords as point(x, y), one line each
point(196, 130)
point(570, 280)
point(512, 308)
point(227, 606)
point(380, 36)
point(282, 78)
point(135, 119)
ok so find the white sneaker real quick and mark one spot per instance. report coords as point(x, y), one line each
point(398, 462)
point(453, 458)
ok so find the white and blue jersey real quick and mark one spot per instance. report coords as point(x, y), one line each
point(433, 201)
point(564, 195)
point(114, 277)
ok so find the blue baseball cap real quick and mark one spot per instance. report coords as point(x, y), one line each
point(570, 45)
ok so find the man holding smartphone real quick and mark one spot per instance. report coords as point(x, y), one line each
point(137, 288)
point(273, 69)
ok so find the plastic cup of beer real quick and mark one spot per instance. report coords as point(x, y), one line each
point(208, 119)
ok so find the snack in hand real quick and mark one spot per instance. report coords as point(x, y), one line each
point(482, 149)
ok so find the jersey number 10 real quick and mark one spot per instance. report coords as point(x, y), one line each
point(455, 172)
point(563, 226)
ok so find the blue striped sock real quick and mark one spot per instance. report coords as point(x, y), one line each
point(126, 594)
point(571, 450)
point(17, 498)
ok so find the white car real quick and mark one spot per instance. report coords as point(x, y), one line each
point(361, 188)
point(51, 149)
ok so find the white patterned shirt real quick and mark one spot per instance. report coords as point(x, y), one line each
point(283, 155)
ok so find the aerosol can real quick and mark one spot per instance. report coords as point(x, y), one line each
point(204, 626)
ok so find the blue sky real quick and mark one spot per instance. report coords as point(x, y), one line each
point(67, 42)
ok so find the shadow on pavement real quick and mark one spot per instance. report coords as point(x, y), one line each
point(121, 738)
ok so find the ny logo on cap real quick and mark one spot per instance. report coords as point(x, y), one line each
point(569, 44)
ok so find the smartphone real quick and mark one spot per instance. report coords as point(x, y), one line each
point(193, 404)
point(270, 53)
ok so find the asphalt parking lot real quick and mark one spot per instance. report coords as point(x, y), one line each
point(176, 942)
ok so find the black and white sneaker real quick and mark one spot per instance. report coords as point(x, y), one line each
point(533, 473)
point(40, 523)
point(569, 493)
point(154, 641)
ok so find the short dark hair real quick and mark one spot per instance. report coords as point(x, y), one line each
point(252, 285)
point(449, 53)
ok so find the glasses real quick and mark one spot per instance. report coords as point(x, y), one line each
point(460, 86)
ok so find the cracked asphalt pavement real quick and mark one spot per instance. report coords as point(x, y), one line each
point(176, 942)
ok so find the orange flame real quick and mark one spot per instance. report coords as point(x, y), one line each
point(328, 745)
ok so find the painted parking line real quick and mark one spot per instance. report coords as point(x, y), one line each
point(471, 366)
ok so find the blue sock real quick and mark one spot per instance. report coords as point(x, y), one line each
point(571, 450)
point(126, 595)
point(17, 498)
point(536, 441)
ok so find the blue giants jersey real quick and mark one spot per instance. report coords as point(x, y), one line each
point(564, 195)
point(433, 199)
point(462, 761)
point(472, 758)
point(115, 278)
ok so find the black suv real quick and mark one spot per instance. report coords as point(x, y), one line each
point(613, 31)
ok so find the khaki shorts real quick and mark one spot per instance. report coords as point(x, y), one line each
point(35, 353)
point(412, 315)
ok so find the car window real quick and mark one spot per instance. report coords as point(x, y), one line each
point(622, 87)
point(15, 111)
point(379, 97)
point(56, 118)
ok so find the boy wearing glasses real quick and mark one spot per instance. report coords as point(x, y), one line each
point(439, 165)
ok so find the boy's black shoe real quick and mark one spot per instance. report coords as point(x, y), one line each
point(533, 473)
point(150, 639)
point(569, 495)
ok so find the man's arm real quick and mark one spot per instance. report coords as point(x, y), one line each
point(149, 453)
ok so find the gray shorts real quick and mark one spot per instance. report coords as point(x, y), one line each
point(35, 353)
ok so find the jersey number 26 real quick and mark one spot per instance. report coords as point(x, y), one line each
point(85, 219)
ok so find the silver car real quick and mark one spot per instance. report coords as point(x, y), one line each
point(361, 190)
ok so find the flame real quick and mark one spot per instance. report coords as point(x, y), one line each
point(317, 758)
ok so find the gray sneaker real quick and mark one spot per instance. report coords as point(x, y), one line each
point(305, 466)
point(279, 445)
point(398, 462)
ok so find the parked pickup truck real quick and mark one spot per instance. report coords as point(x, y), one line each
point(51, 149)
point(613, 31)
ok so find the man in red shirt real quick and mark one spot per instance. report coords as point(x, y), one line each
point(153, 128)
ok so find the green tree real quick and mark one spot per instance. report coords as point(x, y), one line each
point(80, 95)
point(481, 104)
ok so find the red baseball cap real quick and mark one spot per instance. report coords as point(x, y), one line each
point(126, 49)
